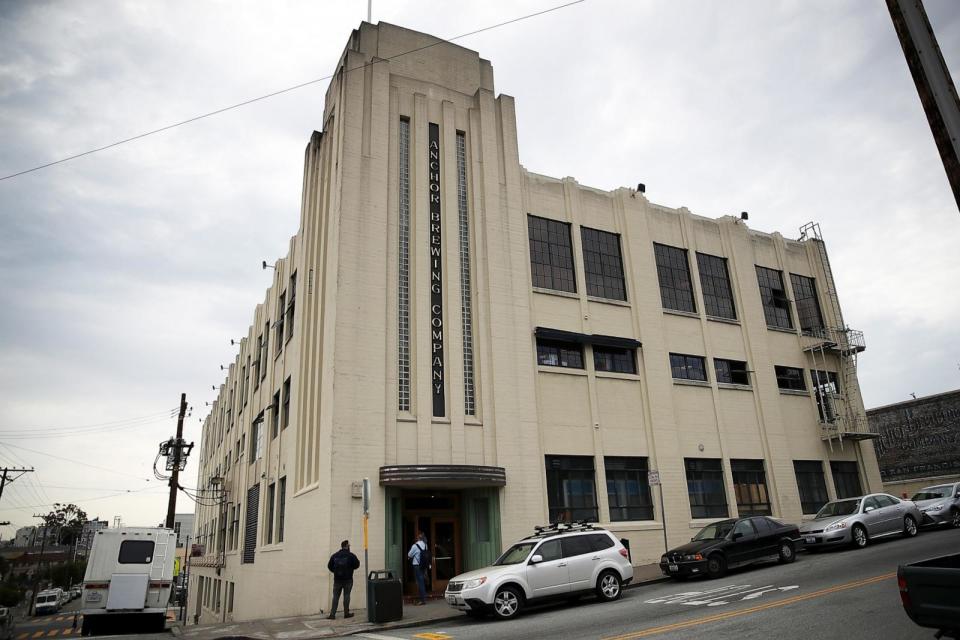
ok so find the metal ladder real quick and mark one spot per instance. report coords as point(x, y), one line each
point(160, 548)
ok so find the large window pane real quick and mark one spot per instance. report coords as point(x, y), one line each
point(614, 360)
point(846, 479)
point(750, 487)
point(553, 353)
point(673, 272)
point(810, 482)
point(551, 255)
point(684, 367)
point(731, 371)
point(708, 498)
point(715, 281)
point(627, 489)
point(808, 308)
point(790, 378)
point(776, 306)
point(825, 387)
point(571, 489)
point(602, 264)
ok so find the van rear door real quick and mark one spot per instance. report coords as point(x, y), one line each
point(127, 591)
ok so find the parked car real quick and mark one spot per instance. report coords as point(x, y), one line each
point(557, 562)
point(48, 601)
point(732, 543)
point(856, 521)
point(930, 593)
point(939, 505)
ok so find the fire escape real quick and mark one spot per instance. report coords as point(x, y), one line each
point(839, 404)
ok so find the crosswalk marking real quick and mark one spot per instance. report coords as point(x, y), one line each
point(53, 632)
point(38, 633)
point(23, 635)
point(432, 636)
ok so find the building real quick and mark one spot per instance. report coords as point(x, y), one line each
point(919, 442)
point(90, 528)
point(492, 347)
point(31, 536)
point(183, 524)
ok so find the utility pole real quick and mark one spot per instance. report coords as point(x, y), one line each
point(175, 477)
point(5, 478)
point(36, 580)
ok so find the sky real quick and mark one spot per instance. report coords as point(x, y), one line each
point(124, 274)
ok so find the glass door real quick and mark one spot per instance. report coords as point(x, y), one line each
point(445, 538)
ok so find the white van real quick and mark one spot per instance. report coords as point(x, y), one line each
point(48, 601)
point(127, 583)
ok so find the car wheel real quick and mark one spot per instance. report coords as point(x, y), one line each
point(955, 518)
point(859, 536)
point(909, 527)
point(786, 554)
point(609, 586)
point(716, 566)
point(507, 603)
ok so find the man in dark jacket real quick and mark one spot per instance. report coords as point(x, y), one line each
point(342, 564)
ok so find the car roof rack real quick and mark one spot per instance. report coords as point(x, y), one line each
point(563, 527)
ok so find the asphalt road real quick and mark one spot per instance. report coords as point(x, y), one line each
point(53, 625)
point(849, 594)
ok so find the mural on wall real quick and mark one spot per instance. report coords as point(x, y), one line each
point(919, 438)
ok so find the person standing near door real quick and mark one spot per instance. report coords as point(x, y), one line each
point(342, 564)
point(419, 555)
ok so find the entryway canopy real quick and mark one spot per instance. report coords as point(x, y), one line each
point(442, 475)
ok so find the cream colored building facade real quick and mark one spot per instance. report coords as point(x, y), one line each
point(494, 349)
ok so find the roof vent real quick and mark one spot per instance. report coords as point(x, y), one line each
point(744, 215)
point(642, 188)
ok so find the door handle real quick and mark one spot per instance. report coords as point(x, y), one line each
point(595, 558)
point(562, 564)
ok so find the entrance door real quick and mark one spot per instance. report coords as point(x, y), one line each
point(445, 539)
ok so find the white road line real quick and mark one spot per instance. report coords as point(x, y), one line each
point(708, 601)
point(678, 597)
point(375, 636)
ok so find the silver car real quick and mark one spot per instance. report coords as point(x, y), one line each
point(939, 505)
point(856, 521)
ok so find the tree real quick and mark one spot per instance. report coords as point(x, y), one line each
point(66, 520)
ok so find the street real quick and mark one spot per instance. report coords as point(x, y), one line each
point(54, 625)
point(840, 593)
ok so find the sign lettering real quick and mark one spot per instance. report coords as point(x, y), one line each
point(436, 276)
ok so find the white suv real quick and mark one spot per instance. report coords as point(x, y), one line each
point(561, 561)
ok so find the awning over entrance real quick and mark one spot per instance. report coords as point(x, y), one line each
point(443, 475)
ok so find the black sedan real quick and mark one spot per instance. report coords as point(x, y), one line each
point(732, 543)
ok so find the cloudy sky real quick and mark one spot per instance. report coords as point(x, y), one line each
point(124, 274)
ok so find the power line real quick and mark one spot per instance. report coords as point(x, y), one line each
point(85, 464)
point(171, 413)
point(80, 500)
point(286, 90)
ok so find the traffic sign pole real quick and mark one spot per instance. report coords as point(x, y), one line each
point(653, 477)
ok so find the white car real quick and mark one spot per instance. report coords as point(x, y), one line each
point(557, 562)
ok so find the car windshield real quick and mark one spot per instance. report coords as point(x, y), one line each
point(932, 493)
point(715, 531)
point(839, 508)
point(515, 554)
point(46, 599)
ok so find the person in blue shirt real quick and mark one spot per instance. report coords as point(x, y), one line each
point(419, 551)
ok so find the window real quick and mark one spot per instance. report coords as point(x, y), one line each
point(600, 541)
point(282, 510)
point(750, 487)
point(553, 353)
point(731, 371)
point(887, 501)
point(602, 264)
point(275, 415)
point(825, 387)
point(236, 527)
point(281, 308)
point(810, 482)
point(466, 296)
point(627, 490)
point(258, 363)
point(246, 381)
point(790, 378)
point(481, 516)
point(715, 282)
point(250, 526)
point(685, 367)
point(673, 272)
point(708, 498)
point(614, 359)
point(776, 307)
point(571, 491)
point(575, 546)
point(230, 597)
point(271, 501)
point(808, 308)
point(136, 552)
point(551, 255)
point(846, 479)
point(256, 439)
point(403, 272)
point(550, 550)
point(745, 528)
point(291, 305)
point(265, 350)
point(286, 404)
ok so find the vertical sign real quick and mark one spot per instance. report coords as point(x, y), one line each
point(437, 383)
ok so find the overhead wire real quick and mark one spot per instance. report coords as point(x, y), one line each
point(85, 464)
point(93, 427)
point(285, 90)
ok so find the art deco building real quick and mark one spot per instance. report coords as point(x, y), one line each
point(495, 349)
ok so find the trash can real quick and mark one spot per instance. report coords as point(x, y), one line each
point(384, 597)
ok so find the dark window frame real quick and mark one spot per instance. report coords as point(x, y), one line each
point(603, 264)
point(614, 359)
point(282, 508)
point(731, 371)
point(811, 485)
point(773, 296)
point(285, 418)
point(790, 378)
point(291, 305)
point(275, 416)
point(706, 488)
point(846, 478)
point(715, 284)
point(808, 304)
point(673, 274)
point(281, 318)
point(630, 498)
point(131, 550)
point(826, 385)
point(551, 254)
point(564, 473)
point(750, 487)
point(684, 367)
point(556, 353)
point(271, 510)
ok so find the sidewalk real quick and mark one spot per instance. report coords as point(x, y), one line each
point(317, 626)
